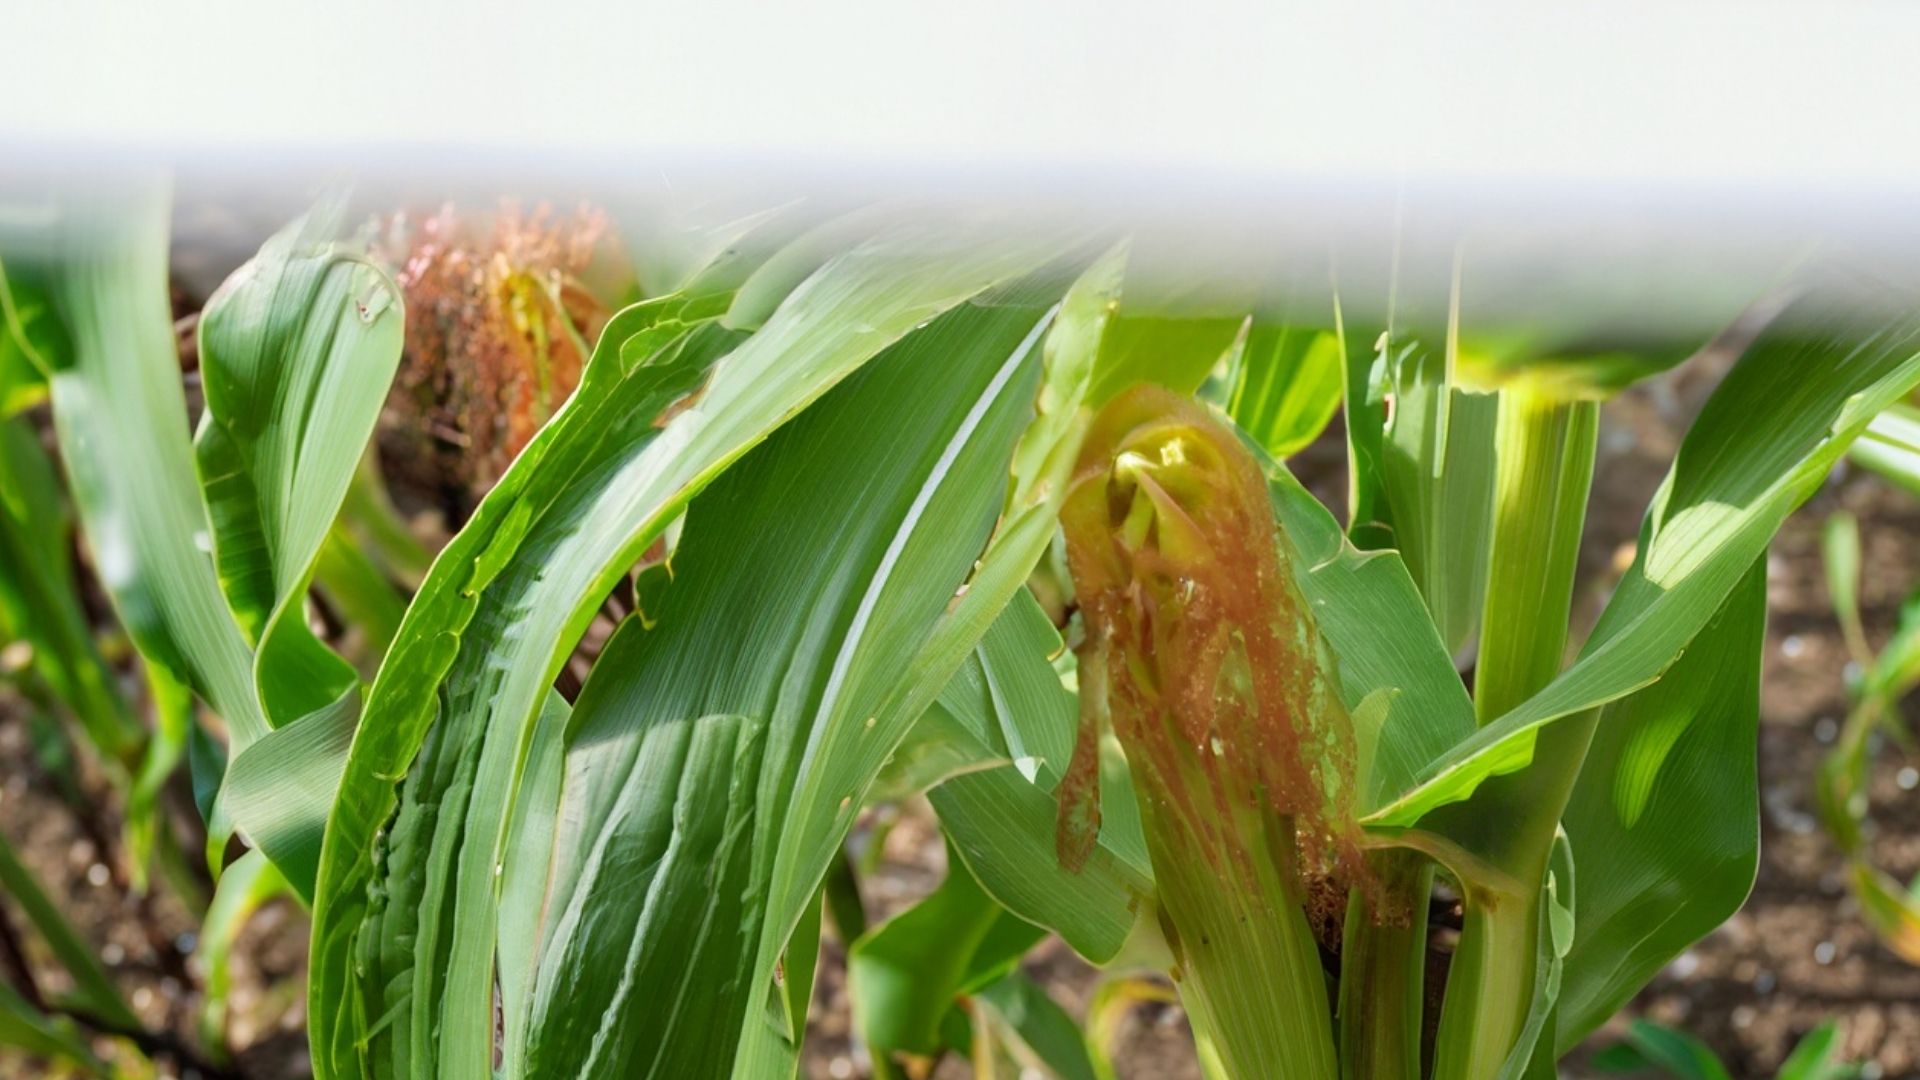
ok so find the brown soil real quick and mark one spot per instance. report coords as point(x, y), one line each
point(146, 941)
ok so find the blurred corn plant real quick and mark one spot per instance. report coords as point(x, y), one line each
point(1878, 682)
point(1652, 1049)
point(205, 543)
point(499, 325)
point(825, 465)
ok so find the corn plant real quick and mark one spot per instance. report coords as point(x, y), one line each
point(1651, 1049)
point(206, 543)
point(827, 463)
point(1878, 684)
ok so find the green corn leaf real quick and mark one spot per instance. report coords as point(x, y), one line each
point(370, 519)
point(1364, 397)
point(1437, 470)
point(1372, 617)
point(896, 476)
point(1286, 385)
point(1042, 1034)
point(39, 599)
point(93, 990)
point(1765, 440)
point(682, 865)
point(356, 586)
point(27, 1029)
point(279, 788)
point(1007, 705)
point(250, 882)
point(1546, 450)
point(347, 913)
point(905, 976)
point(1665, 815)
point(1891, 446)
point(1895, 671)
point(31, 334)
point(1177, 349)
point(121, 416)
point(524, 874)
point(786, 266)
point(496, 618)
point(1891, 909)
point(297, 349)
point(1840, 556)
point(173, 721)
point(1675, 1053)
point(1111, 1002)
point(1600, 373)
point(1816, 1057)
point(1533, 1054)
point(841, 898)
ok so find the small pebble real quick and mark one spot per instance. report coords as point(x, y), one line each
point(1684, 965)
point(98, 875)
point(112, 954)
point(186, 943)
point(1743, 1017)
point(1764, 983)
point(1825, 729)
point(840, 1068)
point(1793, 647)
point(1823, 953)
point(1908, 778)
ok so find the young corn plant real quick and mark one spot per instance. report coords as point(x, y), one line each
point(1879, 682)
point(205, 543)
point(1650, 1049)
point(828, 462)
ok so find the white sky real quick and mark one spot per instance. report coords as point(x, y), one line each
point(1756, 95)
point(1637, 157)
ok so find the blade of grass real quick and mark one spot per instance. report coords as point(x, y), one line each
point(246, 885)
